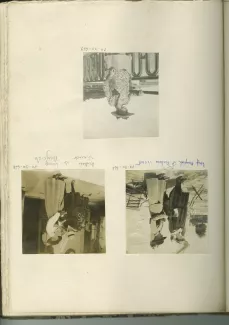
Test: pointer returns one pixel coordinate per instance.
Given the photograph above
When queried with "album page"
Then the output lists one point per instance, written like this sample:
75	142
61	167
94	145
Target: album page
115	110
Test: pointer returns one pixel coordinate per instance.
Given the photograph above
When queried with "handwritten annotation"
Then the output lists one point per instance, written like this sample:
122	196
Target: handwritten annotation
180	163
51	160
93	49
169	164
18	167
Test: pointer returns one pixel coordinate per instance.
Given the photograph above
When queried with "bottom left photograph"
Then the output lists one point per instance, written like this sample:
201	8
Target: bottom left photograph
63	212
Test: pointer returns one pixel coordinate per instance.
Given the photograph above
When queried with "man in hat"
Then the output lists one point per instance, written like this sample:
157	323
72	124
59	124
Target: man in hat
176	208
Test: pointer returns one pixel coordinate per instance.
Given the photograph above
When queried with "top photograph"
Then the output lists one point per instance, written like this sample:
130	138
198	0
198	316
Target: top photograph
121	95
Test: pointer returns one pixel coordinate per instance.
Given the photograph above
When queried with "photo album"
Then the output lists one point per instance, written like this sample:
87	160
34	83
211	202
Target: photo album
114	146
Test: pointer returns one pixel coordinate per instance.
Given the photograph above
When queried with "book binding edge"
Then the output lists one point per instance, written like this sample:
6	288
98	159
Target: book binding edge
4	158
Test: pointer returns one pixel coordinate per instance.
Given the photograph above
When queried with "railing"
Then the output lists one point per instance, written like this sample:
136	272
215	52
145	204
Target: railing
94	67
144	61
144	66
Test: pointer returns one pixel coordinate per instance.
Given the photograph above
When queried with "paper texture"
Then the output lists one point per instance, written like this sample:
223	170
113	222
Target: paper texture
46	114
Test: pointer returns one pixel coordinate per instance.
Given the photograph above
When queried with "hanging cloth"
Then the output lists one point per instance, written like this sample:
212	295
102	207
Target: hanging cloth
54	196
155	188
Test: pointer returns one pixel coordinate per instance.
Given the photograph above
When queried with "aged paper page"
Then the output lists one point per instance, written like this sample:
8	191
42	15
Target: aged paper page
155	108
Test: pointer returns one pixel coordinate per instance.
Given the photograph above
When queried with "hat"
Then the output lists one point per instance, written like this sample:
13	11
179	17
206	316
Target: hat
181	179
157	241
122	114
162	176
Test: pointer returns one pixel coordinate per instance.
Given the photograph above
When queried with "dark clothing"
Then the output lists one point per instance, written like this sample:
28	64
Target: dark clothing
176	200
77	208
176	223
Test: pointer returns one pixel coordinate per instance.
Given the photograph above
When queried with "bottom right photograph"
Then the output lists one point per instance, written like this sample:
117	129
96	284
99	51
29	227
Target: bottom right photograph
167	212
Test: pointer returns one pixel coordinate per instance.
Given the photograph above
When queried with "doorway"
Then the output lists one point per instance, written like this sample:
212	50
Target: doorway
30	235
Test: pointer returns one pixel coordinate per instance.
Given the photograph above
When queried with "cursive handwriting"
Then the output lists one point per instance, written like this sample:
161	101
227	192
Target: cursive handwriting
167	164
48	159
93	49
53	160
180	163
89	157
19	167
86	164
200	163
116	167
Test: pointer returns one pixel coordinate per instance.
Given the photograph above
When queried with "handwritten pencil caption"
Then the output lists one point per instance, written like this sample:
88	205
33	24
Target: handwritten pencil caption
167	164
93	49
51	160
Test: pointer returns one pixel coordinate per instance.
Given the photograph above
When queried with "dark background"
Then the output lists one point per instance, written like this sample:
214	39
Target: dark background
159	320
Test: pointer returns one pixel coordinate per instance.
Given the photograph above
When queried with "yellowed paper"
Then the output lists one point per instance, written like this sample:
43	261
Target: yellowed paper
46	46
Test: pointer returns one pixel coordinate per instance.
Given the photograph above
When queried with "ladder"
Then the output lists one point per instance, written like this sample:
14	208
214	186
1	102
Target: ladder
133	202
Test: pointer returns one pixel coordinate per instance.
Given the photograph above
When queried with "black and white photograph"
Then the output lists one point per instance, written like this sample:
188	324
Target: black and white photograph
167	212
63	212
121	95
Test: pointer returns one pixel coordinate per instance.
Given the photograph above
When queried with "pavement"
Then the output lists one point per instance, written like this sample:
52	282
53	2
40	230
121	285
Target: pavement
100	123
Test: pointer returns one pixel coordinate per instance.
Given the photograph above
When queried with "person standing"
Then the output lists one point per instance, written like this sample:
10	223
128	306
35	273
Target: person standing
176	207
